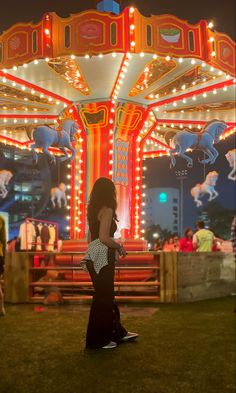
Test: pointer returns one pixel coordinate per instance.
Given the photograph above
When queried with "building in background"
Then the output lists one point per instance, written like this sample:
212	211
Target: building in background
29	189
203	216
162	208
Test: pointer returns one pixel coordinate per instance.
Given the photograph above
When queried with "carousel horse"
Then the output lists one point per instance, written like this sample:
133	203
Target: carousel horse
231	158
5	177
58	194
45	136
208	187
204	141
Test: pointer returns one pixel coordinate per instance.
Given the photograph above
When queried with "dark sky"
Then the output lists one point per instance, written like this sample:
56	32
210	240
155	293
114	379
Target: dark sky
221	12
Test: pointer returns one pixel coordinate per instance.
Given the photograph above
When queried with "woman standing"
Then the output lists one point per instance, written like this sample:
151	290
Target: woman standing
186	243
104	327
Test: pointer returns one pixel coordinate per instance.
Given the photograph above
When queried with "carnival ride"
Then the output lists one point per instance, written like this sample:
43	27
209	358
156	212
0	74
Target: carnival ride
126	80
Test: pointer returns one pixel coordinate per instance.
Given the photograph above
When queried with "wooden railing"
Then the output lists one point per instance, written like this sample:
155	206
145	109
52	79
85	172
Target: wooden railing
134	280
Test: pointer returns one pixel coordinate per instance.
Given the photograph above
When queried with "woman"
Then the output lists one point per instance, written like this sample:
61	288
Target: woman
104	327
157	245
2	256
186	243
175	243
169	245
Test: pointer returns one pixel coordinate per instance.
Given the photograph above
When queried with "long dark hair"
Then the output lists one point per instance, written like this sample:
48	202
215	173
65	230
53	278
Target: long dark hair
102	194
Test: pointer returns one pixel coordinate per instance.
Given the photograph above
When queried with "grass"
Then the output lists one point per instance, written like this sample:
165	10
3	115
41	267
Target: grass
181	349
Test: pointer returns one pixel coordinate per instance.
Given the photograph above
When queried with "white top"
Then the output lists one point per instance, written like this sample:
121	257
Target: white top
97	253
27	236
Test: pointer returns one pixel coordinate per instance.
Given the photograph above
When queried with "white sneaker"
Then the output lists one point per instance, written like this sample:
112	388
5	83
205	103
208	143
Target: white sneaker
129	336
110	345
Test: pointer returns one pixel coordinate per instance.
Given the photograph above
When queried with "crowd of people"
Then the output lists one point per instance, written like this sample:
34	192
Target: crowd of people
202	240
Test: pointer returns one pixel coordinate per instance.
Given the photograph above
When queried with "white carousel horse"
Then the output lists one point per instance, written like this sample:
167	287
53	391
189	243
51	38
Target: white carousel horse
5	177
45	136
203	141
58	194
231	157
208	187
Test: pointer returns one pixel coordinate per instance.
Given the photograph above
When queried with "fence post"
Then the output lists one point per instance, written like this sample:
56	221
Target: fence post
168	277
16	277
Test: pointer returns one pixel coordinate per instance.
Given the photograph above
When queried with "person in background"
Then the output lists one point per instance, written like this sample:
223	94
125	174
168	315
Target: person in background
2	258
217	243
186	242
233	236
157	245
168	244
104	327
171	244
203	239
175	243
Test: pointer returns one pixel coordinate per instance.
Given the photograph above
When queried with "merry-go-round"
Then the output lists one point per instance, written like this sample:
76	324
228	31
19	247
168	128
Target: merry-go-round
96	94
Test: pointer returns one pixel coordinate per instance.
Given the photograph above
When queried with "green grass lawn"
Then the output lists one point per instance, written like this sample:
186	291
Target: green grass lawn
181	349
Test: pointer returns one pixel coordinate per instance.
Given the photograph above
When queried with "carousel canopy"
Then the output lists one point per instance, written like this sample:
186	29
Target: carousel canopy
183	74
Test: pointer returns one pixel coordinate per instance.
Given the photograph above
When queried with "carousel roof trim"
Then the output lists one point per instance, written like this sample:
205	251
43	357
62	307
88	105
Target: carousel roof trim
92	32
158	63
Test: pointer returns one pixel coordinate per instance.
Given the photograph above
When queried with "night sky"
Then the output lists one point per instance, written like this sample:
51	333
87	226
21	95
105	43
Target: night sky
222	13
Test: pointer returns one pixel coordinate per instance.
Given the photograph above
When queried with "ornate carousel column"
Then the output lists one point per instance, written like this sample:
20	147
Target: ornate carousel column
109	145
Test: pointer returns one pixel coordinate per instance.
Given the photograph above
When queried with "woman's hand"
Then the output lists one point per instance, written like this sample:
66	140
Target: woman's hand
122	251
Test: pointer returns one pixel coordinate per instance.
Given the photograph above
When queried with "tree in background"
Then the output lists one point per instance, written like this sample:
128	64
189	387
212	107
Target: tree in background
153	230
220	219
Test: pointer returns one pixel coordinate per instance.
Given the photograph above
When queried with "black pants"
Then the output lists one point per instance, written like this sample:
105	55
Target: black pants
104	319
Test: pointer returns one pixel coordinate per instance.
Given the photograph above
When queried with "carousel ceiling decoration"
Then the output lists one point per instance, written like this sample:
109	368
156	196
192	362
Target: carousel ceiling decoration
9	92
219	106
153	71
68	69
126	80
195	77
